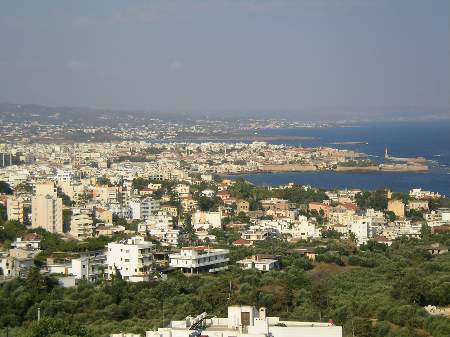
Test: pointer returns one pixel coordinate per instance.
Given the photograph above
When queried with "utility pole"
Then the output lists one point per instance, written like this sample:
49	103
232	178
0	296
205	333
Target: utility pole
39	314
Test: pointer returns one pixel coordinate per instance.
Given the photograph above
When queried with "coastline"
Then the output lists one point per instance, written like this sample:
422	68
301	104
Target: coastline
369	169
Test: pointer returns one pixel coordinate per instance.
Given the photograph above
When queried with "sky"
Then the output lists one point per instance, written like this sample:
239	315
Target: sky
227	55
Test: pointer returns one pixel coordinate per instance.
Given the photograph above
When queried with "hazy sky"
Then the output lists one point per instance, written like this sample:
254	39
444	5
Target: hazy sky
226	55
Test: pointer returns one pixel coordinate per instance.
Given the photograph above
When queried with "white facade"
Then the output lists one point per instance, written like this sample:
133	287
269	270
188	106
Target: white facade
304	230
200	259
143	208
245	321
259	263
204	220
360	227
132	258
89	266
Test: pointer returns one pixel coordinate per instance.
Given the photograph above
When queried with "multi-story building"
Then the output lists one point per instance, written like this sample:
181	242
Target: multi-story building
107	194
143	208
47	213
360	228
43	189
89	266
17	262
14	207
253	235
204	220
200	259
131	258
81	226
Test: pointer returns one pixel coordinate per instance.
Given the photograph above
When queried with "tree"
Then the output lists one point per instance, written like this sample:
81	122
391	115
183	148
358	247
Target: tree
67	216
320	297
391	216
372	199
5	188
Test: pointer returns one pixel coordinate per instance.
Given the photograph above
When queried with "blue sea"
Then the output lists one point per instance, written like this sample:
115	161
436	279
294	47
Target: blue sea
402	139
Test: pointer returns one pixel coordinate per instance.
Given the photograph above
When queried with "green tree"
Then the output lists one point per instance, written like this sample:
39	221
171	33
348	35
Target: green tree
5	188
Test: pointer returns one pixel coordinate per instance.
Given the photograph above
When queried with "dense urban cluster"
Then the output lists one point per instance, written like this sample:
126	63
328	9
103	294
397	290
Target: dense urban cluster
45	124
148	234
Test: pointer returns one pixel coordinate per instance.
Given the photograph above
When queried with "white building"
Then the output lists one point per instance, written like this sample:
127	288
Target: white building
260	263
203	220
143	208
418	193
200	259
89	266
245	321
360	228
305	230
132	258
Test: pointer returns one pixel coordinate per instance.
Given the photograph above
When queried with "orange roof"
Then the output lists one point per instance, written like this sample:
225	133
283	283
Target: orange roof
241	242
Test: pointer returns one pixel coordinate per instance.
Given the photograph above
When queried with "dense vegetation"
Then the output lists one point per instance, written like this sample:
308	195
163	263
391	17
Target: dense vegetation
374	291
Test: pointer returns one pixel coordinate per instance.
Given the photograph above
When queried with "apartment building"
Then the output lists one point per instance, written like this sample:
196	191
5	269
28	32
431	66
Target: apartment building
131	258
46	211
360	228
81	226
200	259
204	220
253	235
89	266
43	189
14	208
143	208
107	194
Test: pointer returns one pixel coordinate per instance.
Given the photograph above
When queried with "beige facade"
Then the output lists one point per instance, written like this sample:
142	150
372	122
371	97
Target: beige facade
107	194
45	189
104	215
81	226
397	207
47	213
242	206
14	207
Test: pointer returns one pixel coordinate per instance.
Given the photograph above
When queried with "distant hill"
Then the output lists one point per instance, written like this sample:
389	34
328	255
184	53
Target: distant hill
94	116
